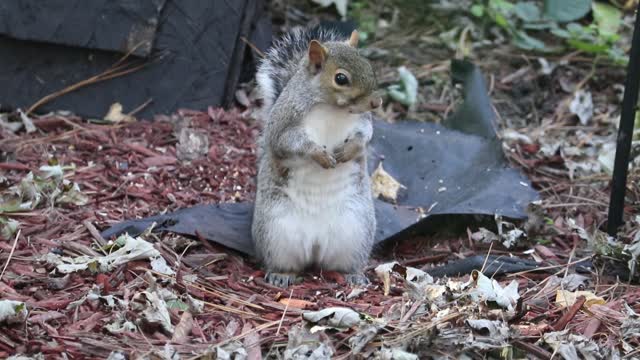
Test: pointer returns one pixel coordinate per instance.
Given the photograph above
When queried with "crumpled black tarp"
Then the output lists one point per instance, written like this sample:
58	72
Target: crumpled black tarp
115	25
195	60
452	172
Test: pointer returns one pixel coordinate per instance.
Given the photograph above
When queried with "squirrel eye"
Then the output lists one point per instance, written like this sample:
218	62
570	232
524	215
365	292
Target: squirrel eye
341	79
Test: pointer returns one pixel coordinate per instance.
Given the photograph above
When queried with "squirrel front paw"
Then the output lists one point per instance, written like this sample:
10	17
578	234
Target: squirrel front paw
352	148
322	157
357	279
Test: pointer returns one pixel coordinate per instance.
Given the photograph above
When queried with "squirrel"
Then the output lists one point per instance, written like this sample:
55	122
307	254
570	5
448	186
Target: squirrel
314	206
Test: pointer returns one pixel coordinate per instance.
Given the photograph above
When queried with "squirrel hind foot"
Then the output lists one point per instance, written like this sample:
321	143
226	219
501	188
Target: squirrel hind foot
357	279
282	280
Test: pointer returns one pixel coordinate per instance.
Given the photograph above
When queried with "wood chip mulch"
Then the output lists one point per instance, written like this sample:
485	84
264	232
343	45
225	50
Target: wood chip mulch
133	170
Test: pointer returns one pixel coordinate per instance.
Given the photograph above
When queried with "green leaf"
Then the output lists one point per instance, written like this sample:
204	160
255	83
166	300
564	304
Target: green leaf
539	25
8	227
607	18
526	42
177	304
561	33
528	11
590	47
543	241
566	10
20	307
502	6
502	21
618	56
477	10
407	91
500	11
581	32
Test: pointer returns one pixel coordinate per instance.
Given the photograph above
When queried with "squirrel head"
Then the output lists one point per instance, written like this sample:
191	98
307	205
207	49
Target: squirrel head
345	77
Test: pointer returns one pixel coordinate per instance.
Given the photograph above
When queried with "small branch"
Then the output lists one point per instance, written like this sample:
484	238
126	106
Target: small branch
95	233
13	249
569	315
251	45
116	70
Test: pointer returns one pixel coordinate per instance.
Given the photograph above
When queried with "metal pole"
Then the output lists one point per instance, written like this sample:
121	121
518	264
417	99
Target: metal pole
625	133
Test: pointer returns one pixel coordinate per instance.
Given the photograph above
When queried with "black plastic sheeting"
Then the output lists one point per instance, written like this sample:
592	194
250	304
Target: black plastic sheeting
196	58
451	172
116	25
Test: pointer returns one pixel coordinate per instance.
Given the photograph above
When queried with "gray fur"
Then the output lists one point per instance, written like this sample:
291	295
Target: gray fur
283	59
284	146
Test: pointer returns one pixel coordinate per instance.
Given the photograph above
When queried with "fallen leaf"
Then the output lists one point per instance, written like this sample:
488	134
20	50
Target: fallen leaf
384	274
192	144
115	114
8	227
303	344
341	5
493	328
582	106
130	249
490	290
566	298
12	312
568	345
296	303
183	329
335	317
384	185
396	354
153	310
27	122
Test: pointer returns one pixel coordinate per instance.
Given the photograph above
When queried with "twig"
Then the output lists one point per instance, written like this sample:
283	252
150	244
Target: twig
94	232
551	206
566	269
286	307
13	249
141	107
551	267
533	349
105	75
425	260
251	45
631	354
569	315
116	70
238	337
486	258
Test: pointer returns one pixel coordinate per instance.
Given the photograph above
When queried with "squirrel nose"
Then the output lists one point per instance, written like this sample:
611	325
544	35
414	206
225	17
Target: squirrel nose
375	103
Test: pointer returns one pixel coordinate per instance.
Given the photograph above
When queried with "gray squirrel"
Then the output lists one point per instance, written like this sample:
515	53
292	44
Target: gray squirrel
314	206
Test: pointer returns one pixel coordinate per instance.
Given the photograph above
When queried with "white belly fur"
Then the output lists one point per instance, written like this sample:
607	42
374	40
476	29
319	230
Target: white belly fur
320	224
328	125
312	188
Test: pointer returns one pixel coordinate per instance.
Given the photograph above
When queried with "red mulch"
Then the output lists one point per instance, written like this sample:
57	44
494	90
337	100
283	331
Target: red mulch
131	171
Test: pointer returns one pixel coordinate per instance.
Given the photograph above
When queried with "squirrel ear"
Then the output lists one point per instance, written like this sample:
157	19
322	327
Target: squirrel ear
353	40
317	54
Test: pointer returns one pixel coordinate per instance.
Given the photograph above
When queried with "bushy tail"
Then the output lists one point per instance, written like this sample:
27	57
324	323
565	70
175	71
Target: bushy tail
282	61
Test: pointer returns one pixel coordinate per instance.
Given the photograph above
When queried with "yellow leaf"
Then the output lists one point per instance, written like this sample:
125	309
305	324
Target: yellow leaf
566	298
384	185
115	114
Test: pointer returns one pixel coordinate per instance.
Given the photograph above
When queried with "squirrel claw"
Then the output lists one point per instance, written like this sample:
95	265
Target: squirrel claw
325	159
357	279
282	280
348	151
